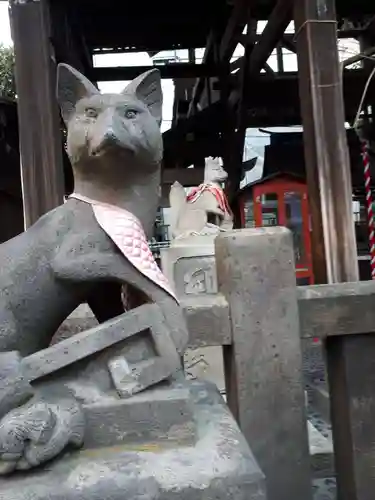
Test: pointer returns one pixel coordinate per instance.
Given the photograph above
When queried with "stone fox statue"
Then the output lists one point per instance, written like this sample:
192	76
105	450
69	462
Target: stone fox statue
205	210
67	257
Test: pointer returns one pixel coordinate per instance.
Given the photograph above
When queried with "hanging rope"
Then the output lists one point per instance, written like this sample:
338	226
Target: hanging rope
365	149
369	202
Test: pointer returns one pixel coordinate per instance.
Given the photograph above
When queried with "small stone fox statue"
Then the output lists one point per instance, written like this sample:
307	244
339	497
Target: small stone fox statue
66	258
205	210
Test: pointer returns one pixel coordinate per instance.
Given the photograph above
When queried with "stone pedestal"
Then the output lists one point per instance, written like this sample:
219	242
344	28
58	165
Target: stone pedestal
210	460
190	266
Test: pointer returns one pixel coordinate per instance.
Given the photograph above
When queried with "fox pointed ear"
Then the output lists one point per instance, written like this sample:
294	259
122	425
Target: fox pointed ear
147	88
72	86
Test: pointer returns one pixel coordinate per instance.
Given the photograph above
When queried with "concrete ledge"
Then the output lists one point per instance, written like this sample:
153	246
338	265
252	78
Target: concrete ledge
161	414
319	398
208	322
321	454
340	309
220	466
207	318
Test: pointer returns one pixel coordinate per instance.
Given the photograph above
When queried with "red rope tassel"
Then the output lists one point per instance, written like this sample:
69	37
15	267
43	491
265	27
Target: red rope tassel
369	203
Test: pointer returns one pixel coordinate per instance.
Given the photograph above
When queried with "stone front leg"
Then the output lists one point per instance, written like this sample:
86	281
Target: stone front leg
39	431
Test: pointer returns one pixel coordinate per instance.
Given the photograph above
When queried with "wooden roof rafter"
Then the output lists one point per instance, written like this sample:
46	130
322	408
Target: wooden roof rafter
208	56
233	30
175	70
274	30
221	49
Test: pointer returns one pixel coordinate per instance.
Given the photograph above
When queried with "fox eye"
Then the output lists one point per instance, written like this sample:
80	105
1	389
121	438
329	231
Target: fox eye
91	113
130	113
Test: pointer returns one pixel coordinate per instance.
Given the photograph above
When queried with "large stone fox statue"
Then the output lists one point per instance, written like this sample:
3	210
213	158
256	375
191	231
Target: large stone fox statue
86	249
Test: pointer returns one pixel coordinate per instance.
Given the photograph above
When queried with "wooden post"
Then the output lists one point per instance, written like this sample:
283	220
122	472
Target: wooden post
326	154
351	371
351	366
40	139
256	274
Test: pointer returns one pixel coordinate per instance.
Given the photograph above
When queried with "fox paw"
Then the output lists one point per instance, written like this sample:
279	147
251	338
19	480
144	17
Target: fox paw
39	431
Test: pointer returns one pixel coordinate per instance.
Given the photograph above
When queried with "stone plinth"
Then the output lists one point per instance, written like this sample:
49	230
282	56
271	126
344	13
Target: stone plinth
217	465
190	265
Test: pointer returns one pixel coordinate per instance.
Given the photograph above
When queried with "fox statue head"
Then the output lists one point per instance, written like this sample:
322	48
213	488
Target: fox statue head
123	129
214	170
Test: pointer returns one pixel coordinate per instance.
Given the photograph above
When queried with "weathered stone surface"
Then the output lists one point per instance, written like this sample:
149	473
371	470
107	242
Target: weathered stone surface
205	363
79	320
219	466
190	265
207	318
255	269
338	309
351	375
14	389
161	414
321	453
319	397
72	256
99	338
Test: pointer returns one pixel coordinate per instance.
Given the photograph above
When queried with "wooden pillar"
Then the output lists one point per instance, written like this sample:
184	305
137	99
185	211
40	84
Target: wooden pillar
351	375
326	154
351	367
236	137
280	58
39	126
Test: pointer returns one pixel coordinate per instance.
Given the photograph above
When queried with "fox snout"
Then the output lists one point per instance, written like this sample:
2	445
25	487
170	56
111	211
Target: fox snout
108	133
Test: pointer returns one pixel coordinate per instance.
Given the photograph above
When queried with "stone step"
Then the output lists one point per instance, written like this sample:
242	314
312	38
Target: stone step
321	453
207	364
324	489
319	399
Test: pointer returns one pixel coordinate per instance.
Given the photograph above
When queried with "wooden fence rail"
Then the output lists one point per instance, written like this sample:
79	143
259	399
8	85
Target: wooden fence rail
259	317
324	311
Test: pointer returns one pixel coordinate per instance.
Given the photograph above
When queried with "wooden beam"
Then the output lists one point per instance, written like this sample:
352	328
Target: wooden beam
170	71
235	173
267	68
233	30
186	176
289	44
38	116
267	89
264	108
272	33
327	160
111	47
280	58
359	57
208	56
350	363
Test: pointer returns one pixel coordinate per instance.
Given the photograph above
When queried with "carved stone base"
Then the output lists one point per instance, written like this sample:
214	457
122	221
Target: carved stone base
190	265
163	414
218	464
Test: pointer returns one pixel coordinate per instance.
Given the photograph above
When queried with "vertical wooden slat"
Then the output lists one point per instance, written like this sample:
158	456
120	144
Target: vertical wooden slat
326	154
40	140
351	371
